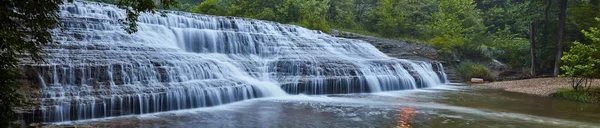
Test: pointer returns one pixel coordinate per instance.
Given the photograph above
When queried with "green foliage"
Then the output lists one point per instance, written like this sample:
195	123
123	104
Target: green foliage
25	29
583	16
469	70
390	18
510	48
460	29
417	17
446	43
582	62
210	7
133	8
456	26
266	14
591	96
593	35
307	13
313	14
341	13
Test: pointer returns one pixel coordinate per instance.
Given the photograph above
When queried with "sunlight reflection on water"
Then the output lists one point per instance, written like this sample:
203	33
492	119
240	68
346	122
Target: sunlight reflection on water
406	117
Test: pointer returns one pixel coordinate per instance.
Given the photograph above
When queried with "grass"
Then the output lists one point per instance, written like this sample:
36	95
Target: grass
590	96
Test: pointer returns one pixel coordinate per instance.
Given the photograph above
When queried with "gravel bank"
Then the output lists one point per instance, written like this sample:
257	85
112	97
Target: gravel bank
538	86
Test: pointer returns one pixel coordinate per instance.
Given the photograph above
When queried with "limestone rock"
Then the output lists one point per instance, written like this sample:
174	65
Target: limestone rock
477	80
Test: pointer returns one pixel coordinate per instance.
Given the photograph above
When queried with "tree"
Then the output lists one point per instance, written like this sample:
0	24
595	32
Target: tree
266	14
453	23
561	33
210	7
341	13
417	15
133	8
313	14
582	62
390	18
532	49
25	28
288	11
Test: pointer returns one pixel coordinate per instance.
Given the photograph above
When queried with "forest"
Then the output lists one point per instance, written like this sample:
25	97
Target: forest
545	38
460	29
540	37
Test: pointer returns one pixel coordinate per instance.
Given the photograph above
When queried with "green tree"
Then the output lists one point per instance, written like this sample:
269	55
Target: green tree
417	16
266	14
582	62
24	28
452	24
561	32
133	8
288	11
341	13
313	14
390	18
583	15
510	47
210	7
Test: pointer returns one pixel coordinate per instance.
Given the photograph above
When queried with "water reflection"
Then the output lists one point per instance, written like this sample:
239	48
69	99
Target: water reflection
446	109
405	117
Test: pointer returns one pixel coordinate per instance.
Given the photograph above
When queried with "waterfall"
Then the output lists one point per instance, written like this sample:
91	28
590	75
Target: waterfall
185	60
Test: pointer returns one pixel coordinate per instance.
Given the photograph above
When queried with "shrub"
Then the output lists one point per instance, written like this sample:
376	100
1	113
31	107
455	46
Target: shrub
582	61
469	70
510	48
592	96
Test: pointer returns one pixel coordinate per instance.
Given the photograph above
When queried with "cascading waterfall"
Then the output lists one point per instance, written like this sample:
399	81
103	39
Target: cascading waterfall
187	61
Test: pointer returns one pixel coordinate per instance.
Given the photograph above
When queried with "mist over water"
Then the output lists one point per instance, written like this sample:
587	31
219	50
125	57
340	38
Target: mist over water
185	61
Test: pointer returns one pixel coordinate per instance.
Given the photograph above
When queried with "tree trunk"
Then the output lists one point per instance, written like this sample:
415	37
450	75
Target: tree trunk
561	29
546	20
532	48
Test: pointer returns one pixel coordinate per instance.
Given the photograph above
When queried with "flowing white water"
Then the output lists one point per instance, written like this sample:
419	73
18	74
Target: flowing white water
187	61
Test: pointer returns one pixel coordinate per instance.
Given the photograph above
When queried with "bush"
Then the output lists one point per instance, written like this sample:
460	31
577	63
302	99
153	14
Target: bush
469	70
510	48
582	62
591	96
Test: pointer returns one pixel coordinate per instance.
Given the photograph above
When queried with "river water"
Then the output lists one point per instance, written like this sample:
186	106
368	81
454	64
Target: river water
442	106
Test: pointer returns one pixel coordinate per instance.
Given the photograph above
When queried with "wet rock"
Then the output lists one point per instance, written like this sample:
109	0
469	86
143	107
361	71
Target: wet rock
477	80
396	48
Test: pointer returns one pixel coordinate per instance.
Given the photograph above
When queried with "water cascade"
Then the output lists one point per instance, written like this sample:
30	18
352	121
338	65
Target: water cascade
185	60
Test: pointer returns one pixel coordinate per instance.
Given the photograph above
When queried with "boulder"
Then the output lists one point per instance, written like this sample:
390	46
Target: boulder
477	80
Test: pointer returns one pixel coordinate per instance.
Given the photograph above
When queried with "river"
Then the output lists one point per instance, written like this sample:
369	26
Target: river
441	106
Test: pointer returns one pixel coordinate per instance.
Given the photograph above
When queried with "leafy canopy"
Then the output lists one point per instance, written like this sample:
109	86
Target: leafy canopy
24	28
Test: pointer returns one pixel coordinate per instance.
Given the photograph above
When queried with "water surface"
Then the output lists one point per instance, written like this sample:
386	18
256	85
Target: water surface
445	106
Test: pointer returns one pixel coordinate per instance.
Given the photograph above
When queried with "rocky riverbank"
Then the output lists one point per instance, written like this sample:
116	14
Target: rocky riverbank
537	86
